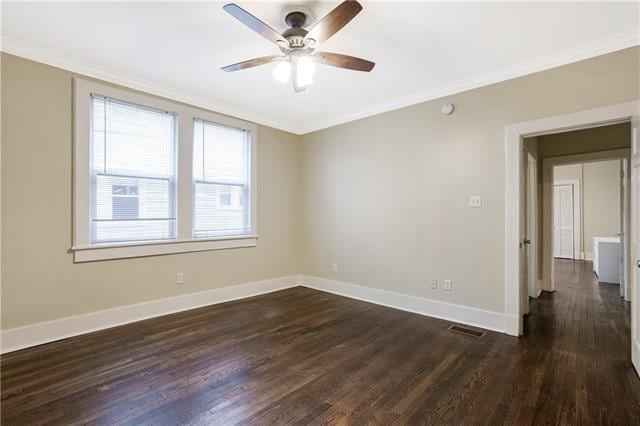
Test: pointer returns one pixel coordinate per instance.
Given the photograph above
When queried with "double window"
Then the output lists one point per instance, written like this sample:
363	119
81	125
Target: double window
156	177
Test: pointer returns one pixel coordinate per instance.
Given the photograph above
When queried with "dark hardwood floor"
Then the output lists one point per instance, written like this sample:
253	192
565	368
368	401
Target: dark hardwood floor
301	356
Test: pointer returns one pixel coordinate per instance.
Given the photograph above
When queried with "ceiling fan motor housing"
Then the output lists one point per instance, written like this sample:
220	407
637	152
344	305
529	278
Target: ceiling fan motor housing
295	33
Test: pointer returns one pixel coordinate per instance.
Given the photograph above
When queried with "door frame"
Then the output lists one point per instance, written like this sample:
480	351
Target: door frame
578	253
634	229
548	164
514	135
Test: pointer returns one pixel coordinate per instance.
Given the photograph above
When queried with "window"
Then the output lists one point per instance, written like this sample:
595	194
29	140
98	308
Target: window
220	176
133	172
153	176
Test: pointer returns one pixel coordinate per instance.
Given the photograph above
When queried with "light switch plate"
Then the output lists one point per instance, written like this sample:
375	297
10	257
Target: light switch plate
475	201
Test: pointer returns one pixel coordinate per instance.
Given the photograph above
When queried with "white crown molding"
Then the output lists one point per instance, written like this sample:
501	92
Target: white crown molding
78	66
489	320
585	51
14	339
580	53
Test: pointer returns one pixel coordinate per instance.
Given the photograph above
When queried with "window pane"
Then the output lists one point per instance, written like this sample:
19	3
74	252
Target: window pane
219	153
133	193
218	210
221	177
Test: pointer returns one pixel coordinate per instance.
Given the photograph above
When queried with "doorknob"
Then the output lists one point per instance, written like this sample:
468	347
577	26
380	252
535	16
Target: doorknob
527	242
638	263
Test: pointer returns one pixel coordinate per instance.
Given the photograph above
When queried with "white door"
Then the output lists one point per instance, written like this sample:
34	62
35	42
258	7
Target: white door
532	229
635	243
624	229
563	221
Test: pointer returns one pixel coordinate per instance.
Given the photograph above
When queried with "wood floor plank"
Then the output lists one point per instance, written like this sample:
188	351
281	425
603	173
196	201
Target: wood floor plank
300	356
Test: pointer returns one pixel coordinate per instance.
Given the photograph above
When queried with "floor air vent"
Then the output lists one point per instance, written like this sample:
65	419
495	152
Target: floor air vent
466	331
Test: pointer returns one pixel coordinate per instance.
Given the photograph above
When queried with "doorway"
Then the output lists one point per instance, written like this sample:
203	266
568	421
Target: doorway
515	135
584	214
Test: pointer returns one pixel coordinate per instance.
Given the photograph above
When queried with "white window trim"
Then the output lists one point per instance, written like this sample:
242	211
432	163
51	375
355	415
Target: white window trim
82	248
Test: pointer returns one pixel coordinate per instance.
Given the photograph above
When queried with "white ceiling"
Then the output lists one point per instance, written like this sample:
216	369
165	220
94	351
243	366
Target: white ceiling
422	50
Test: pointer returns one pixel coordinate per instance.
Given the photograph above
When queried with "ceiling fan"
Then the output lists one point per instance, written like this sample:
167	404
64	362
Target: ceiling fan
298	45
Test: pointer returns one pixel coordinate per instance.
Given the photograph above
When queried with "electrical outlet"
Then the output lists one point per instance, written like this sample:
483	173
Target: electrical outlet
447	285
179	278
434	283
334	267
475	201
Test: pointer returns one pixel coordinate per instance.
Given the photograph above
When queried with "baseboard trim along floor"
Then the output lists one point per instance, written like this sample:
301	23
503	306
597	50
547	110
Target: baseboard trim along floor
49	331
45	332
433	308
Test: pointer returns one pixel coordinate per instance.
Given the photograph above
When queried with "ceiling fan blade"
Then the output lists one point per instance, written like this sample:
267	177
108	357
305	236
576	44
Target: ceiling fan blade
334	21
254	23
251	63
343	61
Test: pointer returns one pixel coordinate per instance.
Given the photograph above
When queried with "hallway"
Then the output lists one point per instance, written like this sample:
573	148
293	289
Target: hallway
577	353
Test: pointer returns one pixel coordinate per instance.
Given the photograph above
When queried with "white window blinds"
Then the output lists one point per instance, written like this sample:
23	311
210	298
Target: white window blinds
220	180
132	172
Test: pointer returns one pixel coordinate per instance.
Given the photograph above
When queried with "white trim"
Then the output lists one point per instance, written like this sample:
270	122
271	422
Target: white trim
579	53
418	305
36	334
185	115
514	134
577	213
156	248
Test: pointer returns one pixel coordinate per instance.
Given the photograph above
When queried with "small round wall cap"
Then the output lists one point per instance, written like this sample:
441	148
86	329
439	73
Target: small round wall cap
447	109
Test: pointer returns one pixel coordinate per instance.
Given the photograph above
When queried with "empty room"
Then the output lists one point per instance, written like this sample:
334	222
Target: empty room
320	213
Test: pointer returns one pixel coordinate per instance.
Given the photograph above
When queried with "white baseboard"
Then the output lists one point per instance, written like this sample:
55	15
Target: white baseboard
50	331
539	288
36	334
447	311
511	325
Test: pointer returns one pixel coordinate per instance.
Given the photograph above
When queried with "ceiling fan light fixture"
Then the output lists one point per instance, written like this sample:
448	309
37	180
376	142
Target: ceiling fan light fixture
297	44
305	69
282	71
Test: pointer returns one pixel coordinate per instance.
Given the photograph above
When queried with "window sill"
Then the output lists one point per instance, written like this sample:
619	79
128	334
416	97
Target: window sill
155	248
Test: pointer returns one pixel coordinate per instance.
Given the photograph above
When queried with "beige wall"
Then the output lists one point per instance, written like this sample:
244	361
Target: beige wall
386	197
600	198
569	171
596	139
39	279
